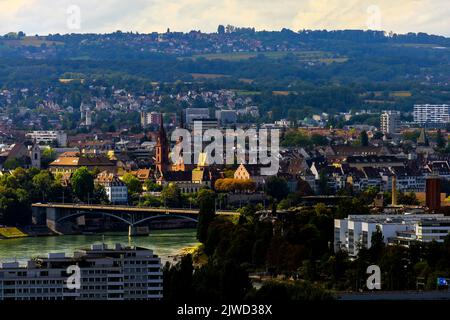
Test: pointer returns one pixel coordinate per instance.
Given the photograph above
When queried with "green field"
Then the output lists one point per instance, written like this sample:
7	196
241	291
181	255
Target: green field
303	56
30	42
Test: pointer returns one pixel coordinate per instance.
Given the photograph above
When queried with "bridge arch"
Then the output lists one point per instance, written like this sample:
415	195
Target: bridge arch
165	216
99	213
131	223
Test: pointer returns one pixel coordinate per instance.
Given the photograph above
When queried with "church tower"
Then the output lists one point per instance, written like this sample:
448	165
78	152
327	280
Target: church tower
162	150
35	156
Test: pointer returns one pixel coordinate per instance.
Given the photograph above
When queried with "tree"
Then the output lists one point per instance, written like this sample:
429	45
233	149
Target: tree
171	195
43	183
220	29
83	183
132	182
206	200
48	155
440	141
150	185
277	188
364	139
377	245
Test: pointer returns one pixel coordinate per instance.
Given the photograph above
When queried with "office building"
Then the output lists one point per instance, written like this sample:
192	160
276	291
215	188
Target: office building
356	231
431	115
118	273
192	114
390	122
226	117
150	118
48	137
205	124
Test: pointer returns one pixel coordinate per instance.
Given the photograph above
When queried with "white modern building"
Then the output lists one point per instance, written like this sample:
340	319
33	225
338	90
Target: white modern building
117	273
226	116
390	122
192	114
356	231
431	115
115	189
48	137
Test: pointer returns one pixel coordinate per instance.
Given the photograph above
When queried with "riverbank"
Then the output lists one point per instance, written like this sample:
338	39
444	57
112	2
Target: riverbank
11	233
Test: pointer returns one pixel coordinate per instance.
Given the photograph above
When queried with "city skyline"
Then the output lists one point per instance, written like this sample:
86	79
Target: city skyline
35	17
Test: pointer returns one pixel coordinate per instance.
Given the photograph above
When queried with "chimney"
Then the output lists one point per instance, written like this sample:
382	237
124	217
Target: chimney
394	191
433	193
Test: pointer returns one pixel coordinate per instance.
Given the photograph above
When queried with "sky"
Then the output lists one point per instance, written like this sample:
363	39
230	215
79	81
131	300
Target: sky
102	16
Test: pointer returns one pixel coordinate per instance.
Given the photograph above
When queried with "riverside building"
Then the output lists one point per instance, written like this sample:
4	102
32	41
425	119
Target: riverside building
106	273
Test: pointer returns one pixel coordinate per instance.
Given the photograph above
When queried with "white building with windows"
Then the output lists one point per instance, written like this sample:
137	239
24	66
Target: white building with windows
117	273
192	114
390	122
434	115
48	137
115	189
356	231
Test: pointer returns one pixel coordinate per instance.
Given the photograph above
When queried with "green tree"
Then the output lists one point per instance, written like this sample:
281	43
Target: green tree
171	196
83	183
133	184
277	188
206	201
377	245
43	183
440	141
364	139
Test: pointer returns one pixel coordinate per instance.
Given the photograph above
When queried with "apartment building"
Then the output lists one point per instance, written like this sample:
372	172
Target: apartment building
356	231
432	115
106	273
390	122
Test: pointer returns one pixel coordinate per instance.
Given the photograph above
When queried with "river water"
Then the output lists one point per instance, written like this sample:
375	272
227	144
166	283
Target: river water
164	243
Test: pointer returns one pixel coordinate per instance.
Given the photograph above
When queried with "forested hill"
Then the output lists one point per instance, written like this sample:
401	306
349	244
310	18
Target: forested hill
349	64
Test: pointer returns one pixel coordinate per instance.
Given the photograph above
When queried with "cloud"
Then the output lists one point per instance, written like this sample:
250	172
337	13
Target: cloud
50	16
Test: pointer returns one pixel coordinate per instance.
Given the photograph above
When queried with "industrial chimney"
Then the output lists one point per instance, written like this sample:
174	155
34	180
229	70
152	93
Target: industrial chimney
394	191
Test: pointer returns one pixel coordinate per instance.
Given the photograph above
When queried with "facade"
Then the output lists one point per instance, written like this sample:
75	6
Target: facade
390	122
432	115
48	137
192	114
115	189
35	156
68	163
150	118
356	231
226	116
119	273
206	124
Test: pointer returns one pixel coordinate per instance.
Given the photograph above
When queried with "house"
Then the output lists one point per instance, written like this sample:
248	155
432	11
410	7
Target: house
250	171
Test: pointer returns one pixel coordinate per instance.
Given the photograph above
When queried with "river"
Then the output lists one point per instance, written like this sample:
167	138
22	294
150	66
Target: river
164	243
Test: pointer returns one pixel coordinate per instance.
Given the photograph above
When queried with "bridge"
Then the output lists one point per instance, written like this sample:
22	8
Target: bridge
54	214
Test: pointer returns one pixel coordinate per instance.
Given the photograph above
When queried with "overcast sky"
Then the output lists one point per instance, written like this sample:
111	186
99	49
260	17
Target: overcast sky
58	16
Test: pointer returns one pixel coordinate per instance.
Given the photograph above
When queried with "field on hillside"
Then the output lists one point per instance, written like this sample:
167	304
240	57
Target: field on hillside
303	56
31	41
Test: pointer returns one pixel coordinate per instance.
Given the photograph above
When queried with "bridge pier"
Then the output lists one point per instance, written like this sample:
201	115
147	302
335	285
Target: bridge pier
138	231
